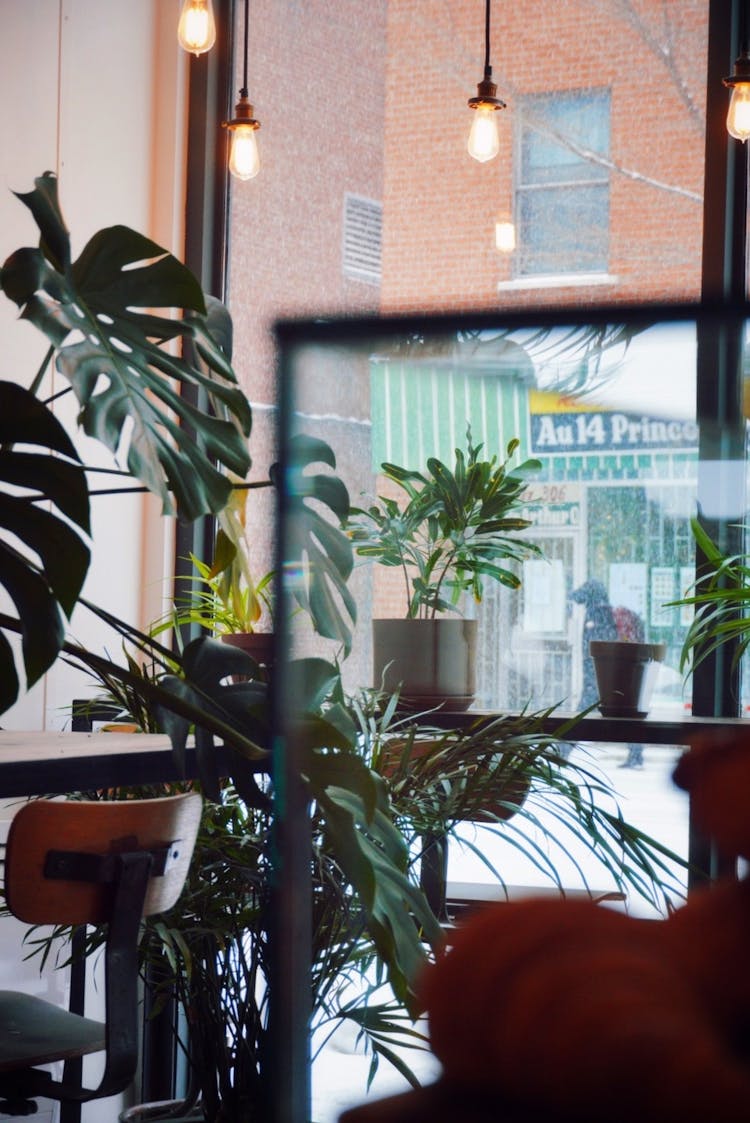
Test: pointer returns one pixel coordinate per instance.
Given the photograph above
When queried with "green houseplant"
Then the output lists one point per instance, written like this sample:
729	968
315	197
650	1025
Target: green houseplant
720	598
224	602
214	946
452	529
223	597
369	906
110	349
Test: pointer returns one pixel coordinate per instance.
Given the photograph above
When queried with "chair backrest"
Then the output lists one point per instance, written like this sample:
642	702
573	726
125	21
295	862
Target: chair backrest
49	839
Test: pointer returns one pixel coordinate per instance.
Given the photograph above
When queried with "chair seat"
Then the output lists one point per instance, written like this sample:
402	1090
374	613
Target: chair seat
35	1032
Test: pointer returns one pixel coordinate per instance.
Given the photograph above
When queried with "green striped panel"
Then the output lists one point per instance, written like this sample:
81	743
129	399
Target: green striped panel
422	410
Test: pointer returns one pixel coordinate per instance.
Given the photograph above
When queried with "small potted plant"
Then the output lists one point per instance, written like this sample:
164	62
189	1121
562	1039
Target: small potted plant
626	673
224	597
453	529
619	667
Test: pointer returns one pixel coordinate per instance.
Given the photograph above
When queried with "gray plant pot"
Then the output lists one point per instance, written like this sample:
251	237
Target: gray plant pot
432	662
625	675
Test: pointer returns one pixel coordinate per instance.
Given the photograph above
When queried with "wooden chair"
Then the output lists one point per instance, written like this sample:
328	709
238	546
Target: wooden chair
75	862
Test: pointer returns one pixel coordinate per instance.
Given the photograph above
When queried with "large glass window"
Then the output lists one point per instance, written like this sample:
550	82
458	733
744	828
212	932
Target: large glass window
605	186
609	509
562	193
602	175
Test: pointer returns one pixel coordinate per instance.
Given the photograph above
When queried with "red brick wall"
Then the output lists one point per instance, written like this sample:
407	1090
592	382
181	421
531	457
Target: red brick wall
315	78
371	98
440	205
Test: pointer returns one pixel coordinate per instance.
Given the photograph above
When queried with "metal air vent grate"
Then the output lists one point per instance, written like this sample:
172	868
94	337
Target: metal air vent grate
363	223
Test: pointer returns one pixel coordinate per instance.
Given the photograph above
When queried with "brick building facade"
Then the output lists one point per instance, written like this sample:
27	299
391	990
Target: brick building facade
647	58
367	103
600	168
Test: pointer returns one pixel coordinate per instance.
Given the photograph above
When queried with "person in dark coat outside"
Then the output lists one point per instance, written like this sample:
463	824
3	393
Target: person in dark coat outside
598	624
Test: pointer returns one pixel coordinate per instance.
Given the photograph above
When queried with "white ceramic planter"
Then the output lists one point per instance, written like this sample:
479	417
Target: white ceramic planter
432	662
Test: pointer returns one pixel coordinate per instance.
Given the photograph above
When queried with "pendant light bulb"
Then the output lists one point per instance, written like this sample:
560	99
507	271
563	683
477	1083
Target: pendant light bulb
196	31
244	161
484	138
738	117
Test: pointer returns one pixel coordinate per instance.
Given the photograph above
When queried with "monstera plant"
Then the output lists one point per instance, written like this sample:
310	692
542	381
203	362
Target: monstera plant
129	330
108	346
108	343
116	319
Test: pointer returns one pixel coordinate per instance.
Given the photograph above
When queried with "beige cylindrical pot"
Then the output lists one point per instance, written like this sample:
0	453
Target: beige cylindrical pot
432	662
625	675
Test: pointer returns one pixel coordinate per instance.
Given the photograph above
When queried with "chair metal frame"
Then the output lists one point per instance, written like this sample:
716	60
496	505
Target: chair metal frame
125	860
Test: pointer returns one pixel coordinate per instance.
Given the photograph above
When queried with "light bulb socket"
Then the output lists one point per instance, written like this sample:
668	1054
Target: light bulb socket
486	95
243	115
741	73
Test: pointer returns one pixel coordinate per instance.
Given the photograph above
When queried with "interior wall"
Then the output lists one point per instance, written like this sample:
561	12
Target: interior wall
93	90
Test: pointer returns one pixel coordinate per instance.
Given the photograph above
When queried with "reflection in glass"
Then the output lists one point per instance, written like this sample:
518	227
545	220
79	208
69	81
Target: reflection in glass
608	409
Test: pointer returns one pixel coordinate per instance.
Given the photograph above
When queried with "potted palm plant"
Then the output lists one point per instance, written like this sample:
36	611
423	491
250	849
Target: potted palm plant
214	947
453	529
720	599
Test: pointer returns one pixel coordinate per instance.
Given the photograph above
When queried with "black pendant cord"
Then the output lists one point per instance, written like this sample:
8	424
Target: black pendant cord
243	91
487	67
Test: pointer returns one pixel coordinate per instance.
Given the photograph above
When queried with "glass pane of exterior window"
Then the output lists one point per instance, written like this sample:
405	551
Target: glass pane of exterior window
558	133
608	409
562	196
563	229
439	207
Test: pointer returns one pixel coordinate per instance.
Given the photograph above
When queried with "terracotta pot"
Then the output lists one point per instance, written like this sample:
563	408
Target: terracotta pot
432	662
625	675
258	645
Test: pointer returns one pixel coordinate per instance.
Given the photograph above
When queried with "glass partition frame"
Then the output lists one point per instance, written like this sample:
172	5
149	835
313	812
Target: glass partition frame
719	335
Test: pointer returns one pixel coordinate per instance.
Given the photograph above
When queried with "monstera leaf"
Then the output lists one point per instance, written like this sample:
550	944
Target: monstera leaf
95	312
43	565
373	854
318	552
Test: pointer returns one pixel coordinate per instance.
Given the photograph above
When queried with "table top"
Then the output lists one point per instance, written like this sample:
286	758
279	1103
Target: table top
49	763
656	729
